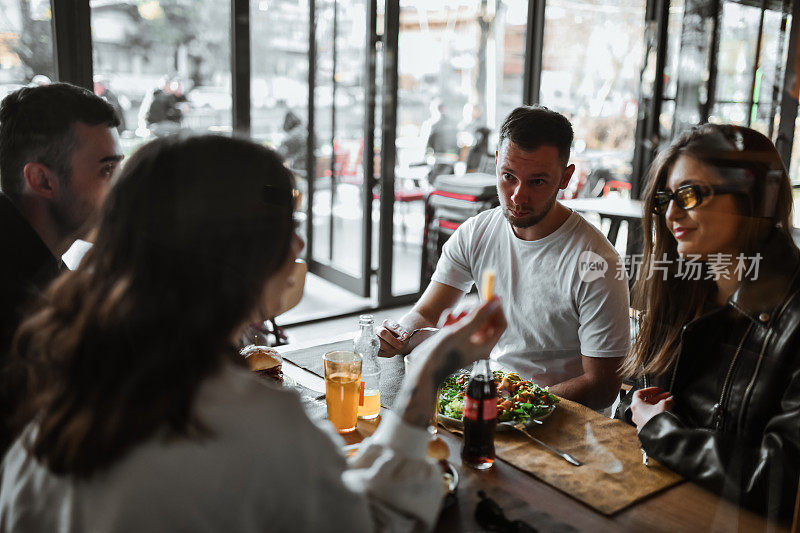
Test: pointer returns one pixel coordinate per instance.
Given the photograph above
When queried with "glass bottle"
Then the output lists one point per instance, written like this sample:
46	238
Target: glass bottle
480	418
367	344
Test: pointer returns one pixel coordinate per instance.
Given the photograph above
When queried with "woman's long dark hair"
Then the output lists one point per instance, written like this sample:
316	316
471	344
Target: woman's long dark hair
190	233
738	155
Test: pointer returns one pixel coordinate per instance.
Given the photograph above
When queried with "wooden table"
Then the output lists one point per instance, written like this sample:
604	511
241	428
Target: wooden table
682	508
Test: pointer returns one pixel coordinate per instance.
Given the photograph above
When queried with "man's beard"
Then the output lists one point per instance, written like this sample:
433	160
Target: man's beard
532	219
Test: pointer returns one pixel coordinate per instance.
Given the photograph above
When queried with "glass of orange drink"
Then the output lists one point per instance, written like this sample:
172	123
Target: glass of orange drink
342	388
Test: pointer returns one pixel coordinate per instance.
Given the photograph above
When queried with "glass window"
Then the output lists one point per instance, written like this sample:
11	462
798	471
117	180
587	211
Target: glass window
769	82
279	75
339	117
26	49
593	51
743	96
460	68
164	65
671	68
735	60
279	80
673	48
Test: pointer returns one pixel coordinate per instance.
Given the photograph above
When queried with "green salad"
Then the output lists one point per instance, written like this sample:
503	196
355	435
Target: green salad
517	399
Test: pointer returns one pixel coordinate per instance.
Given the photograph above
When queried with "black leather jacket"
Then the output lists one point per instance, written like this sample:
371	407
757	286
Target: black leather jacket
735	427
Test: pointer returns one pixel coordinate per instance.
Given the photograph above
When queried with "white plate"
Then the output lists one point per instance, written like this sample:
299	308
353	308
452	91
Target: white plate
501	426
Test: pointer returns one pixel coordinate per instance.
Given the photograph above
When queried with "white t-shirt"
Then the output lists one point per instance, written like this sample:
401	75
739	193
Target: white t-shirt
266	467
558	301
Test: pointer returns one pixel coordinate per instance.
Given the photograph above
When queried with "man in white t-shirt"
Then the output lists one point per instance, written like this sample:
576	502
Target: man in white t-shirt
557	276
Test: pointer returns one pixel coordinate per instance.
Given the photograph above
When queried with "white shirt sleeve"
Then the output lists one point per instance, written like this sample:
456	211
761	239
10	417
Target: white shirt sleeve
603	304
390	485
405	488
454	267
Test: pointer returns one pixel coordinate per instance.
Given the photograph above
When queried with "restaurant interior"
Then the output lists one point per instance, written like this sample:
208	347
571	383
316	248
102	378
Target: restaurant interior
357	89
629	75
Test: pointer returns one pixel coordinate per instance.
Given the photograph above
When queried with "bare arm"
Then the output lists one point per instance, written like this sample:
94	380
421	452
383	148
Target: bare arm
455	347
597	386
436	298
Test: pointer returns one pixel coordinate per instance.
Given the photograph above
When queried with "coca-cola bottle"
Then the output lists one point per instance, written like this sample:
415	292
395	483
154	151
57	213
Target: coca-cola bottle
480	418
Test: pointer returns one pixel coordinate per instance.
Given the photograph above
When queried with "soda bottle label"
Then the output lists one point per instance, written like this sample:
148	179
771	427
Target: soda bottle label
471	408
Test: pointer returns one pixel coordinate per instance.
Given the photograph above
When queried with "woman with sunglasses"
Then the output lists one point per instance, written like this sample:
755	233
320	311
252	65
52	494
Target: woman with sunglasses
716	359
140	413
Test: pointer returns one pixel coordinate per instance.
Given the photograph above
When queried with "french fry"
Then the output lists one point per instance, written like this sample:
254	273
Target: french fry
487	285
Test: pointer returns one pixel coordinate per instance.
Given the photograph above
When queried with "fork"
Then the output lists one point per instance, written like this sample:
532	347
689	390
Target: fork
414	332
564	455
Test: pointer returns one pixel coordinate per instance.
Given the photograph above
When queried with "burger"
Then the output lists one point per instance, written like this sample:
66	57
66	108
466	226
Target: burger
264	361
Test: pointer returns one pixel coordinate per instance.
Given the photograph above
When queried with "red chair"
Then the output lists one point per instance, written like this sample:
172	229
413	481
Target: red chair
404	197
614	185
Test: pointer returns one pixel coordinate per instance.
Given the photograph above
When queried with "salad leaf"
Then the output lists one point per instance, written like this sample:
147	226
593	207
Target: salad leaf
518	400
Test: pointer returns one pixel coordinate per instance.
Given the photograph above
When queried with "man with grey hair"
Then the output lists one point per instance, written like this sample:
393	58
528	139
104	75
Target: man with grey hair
58	150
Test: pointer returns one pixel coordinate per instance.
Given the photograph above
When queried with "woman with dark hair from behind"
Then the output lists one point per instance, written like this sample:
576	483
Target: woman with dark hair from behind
140	415
717	355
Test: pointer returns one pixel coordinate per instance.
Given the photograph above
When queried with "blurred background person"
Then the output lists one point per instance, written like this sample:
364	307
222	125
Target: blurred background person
441	146
472	120
165	110
441	130
479	151
295	140
102	90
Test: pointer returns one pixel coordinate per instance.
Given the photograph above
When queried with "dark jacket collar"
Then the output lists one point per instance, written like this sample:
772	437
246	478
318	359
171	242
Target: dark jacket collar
760	298
24	253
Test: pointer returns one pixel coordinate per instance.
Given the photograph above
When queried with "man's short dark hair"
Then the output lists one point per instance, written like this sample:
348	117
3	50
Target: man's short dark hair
37	125
530	127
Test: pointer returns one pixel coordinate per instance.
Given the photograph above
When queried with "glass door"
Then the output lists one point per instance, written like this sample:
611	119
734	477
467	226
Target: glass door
338	182
453	70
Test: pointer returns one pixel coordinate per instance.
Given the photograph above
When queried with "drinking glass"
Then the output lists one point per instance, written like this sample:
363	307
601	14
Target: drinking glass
342	388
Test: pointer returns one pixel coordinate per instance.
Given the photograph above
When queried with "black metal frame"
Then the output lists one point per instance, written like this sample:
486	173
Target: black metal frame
311	158
391	36
534	47
368	155
332	168
711	91
72	42
789	101
359	285
240	65
756	63
779	69
648	127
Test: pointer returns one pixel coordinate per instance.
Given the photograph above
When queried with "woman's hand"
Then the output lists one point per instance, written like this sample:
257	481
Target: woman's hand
469	338
648	403
454	347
